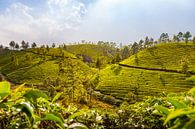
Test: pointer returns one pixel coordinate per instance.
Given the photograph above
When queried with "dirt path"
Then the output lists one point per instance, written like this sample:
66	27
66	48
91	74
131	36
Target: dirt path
156	69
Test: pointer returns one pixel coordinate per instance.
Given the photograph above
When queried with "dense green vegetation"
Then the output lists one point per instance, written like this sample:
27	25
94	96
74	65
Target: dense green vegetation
134	84
90	53
145	85
31	108
33	66
165	56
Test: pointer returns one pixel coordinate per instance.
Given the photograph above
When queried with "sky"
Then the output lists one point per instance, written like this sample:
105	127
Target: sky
120	21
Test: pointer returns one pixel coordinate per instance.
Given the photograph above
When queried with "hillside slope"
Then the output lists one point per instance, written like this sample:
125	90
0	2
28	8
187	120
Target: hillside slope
134	83
165	56
33	66
90	52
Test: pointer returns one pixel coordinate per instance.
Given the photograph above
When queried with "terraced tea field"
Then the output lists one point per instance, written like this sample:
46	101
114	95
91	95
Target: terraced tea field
165	56
130	83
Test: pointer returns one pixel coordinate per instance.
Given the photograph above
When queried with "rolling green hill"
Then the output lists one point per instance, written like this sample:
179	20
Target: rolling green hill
135	83
90	52
165	56
33	66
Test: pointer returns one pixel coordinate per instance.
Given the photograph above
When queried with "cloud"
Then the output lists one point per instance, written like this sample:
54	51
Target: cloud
19	22
129	20
111	20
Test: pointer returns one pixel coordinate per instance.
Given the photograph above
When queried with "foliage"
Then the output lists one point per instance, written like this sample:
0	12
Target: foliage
30	108
166	56
180	112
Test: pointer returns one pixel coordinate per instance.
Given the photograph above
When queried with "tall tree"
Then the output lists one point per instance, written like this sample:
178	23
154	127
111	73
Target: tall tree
175	38
164	37
180	36
141	44
146	45
12	44
118	58
1	46
53	45
186	36
125	52
151	42
134	48
98	63
23	44
17	46
47	48
34	45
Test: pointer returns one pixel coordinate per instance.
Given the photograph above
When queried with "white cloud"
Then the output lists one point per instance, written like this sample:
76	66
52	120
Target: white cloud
56	24
111	20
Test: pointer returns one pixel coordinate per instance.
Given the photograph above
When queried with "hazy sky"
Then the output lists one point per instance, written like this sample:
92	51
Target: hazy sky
122	21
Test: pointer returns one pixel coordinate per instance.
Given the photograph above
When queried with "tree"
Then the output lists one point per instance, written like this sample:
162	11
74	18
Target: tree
1	46
136	60
98	63
125	52
151	42
185	65
164	37
146	42
186	36
34	45
24	45
12	44
141	44
53	45
180	36
175	38
135	48
64	47
118	58
17	46
47	48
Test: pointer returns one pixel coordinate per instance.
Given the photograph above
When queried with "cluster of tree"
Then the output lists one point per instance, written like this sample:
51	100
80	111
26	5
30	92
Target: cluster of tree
123	52
126	51
24	45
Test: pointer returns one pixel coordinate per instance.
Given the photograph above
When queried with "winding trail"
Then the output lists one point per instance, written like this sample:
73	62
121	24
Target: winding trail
156	69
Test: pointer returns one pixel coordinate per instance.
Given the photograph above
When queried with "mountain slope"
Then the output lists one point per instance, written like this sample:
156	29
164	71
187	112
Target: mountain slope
135	83
33	66
165	56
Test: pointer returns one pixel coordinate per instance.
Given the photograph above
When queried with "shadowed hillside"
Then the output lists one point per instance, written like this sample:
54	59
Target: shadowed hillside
37	65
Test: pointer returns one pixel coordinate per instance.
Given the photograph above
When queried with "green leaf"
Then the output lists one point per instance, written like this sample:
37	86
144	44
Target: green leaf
57	97
33	94
177	104
162	109
74	115
55	118
4	89
178	113
27	108
77	126
18	88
